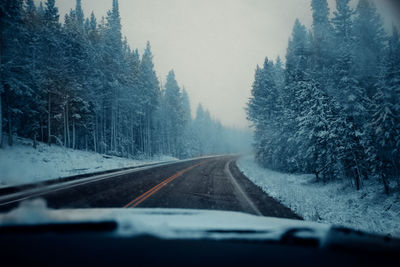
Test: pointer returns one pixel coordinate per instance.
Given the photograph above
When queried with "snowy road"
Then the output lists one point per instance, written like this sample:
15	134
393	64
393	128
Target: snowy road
209	183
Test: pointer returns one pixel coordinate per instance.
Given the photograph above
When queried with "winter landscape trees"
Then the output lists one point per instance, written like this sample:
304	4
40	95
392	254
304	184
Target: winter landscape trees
336	114
78	83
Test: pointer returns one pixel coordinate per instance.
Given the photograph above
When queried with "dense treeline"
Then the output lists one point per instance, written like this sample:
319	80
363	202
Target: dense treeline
333	109
80	85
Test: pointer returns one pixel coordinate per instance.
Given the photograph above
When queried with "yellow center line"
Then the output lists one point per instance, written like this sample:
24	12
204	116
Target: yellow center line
154	189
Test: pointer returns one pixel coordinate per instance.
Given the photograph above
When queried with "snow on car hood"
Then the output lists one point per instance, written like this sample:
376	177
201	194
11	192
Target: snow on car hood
169	223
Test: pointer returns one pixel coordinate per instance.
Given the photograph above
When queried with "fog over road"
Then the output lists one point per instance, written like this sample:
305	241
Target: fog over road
209	183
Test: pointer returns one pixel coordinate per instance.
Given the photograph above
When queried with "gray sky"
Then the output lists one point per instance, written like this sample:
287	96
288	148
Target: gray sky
213	45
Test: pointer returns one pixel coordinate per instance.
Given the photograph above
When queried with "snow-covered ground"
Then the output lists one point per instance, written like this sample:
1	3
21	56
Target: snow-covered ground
335	203
22	163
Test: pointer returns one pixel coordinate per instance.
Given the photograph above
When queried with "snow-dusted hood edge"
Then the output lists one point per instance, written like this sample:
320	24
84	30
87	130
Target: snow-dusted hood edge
169	223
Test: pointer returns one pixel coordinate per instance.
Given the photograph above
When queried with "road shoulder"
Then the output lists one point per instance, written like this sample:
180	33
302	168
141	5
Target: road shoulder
267	205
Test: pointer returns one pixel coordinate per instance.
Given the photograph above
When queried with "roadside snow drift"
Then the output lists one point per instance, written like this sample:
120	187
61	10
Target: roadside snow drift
22	163
335	203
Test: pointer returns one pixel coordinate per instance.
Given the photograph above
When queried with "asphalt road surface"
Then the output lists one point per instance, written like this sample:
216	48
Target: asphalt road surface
209	183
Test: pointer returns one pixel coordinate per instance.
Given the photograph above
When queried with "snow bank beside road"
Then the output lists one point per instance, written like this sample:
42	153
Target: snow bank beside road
22	163
335	203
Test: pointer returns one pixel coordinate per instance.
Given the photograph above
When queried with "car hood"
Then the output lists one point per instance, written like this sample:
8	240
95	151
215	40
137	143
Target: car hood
35	217
167	223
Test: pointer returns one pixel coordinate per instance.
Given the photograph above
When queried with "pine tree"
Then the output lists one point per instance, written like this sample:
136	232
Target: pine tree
33	105
50	56
343	22
322	41
386	119
150	94
12	62
112	69
370	46
80	17
344	28
316	130
200	126
265	112
174	111
297	48
187	133
297	71
350	96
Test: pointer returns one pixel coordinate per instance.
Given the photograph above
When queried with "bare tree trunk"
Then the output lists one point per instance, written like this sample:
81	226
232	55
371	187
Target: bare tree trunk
113	123
86	142
34	141
67	126
73	133
10	134
396	171
385	183
357	174
316	176
49	119
143	130
94	142
115	128
41	132
1	94
117	116
1	116
140	135
104	135
10	137
149	137
112	129
95	132
101	137
132	135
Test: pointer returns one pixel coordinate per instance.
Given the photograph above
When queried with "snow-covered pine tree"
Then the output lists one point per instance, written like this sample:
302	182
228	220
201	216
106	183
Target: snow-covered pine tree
297	70
344	39
350	97
186	139
322	42
386	119
75	49
174	110
12	62
255	113
279	73
150	91
132	105
316	130
113	59
2	25
80	17
370	45
50	57
264	111
33	106
298	46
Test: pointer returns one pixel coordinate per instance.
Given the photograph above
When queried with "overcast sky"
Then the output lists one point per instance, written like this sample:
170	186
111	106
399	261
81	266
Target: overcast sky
213	45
